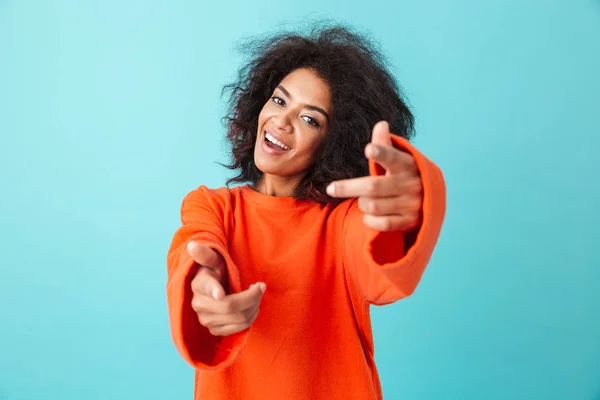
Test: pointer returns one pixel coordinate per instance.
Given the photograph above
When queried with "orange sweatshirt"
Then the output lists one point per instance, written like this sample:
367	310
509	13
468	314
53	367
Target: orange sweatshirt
323	268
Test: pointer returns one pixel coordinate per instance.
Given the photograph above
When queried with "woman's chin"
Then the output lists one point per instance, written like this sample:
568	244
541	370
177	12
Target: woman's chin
275	167
267	165
276	171
269	170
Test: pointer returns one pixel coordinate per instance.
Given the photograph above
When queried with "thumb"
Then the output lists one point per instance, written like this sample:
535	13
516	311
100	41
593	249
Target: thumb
207	257
381	134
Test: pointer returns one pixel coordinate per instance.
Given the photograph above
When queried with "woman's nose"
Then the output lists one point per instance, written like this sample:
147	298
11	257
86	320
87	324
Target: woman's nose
283	122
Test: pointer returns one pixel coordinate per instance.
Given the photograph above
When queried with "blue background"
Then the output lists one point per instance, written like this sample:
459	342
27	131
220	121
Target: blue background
110	113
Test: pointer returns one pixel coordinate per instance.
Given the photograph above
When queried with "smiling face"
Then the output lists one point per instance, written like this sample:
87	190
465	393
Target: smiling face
291	127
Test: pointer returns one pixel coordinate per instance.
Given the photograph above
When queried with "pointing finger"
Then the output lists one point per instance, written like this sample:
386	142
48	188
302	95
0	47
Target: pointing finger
230	304
241	301
369	186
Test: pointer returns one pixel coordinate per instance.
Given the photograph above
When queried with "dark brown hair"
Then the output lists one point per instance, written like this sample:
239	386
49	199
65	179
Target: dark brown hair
363	92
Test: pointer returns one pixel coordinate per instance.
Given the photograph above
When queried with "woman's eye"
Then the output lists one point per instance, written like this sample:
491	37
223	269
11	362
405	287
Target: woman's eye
311	121
278	101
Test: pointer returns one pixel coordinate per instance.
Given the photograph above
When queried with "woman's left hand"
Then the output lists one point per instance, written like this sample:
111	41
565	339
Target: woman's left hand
391	201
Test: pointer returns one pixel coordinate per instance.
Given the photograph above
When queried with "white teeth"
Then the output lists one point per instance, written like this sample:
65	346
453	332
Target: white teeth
270	138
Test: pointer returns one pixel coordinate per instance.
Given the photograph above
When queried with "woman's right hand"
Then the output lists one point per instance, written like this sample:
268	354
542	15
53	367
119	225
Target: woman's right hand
222	314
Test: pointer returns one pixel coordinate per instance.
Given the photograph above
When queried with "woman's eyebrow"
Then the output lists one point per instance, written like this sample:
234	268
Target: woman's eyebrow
310	107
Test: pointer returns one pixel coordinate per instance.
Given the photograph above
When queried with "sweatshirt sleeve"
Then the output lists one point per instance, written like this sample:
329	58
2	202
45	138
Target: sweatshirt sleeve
202	221
387	266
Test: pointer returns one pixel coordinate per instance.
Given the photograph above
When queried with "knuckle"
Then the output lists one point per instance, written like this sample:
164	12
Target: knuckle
196	282
414	165
378	223
373	207
371	187
386	224
407	222
196	303
361	204
228	307
387	155
245	325
248	316
200	279
413	220
417	185
416	204
408	203
400	181
203	319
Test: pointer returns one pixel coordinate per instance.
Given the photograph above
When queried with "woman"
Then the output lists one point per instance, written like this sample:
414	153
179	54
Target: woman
270	282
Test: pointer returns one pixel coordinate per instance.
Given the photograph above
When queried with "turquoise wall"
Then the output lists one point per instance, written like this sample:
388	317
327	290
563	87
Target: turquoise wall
110	113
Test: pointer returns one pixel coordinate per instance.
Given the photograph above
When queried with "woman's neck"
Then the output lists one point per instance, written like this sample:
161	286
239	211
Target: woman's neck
278	186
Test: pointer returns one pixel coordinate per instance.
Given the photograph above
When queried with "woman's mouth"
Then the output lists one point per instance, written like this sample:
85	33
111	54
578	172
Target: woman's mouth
272	143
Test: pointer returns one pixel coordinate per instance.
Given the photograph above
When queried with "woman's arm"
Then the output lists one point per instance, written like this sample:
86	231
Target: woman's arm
202	222
387	248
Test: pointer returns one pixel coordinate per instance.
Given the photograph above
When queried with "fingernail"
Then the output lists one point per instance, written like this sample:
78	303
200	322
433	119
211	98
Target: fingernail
263	287
215	293
330	189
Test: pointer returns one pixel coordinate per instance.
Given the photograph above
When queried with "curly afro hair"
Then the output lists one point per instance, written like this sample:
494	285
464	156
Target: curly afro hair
363	92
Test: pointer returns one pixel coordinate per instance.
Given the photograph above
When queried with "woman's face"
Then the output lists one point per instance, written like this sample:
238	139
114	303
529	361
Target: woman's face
292	125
